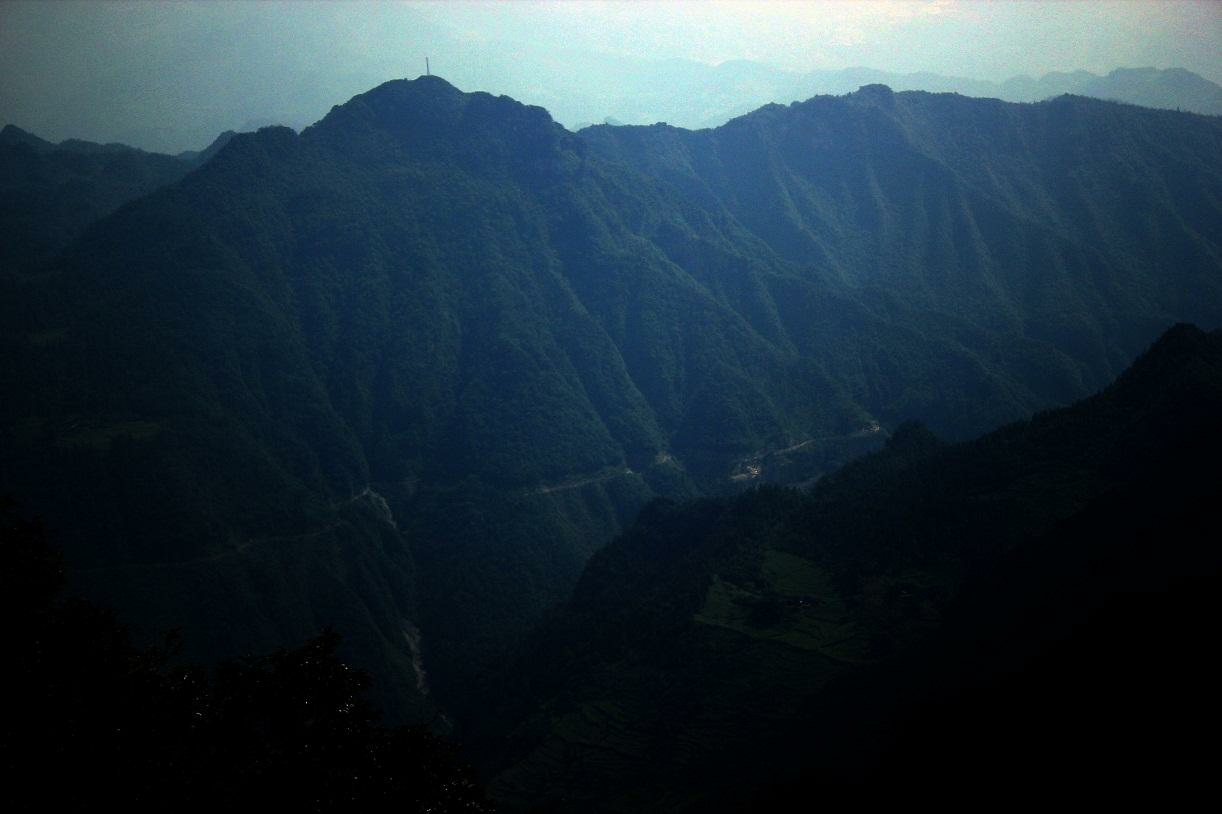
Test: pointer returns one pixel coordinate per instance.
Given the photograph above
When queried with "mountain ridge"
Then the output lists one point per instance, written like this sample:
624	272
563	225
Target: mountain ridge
1172	88
447	302
724	653
50	193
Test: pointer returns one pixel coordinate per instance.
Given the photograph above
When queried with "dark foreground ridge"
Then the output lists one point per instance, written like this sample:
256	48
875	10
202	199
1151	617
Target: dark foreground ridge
990	609
103	723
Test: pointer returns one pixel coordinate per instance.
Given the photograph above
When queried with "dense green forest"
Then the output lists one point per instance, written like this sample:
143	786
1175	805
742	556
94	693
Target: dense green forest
401	374
1026	609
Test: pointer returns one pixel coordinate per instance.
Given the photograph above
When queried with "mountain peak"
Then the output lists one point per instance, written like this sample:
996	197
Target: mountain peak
420	87
1178	367
876	93
427	102
12	134
1183	341
430	116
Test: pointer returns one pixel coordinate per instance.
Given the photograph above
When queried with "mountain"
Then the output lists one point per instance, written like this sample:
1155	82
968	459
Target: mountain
198	157
1172	88
402	373
735	88
50	192
12	135
951	216
175	81
982	608
693	95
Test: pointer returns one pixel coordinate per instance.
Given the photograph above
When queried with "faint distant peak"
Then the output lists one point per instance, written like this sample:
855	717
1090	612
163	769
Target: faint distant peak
12	134
1183	341
76	145
1183	357
204	155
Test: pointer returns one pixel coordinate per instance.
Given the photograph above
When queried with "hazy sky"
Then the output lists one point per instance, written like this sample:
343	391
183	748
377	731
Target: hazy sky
984	40
171	75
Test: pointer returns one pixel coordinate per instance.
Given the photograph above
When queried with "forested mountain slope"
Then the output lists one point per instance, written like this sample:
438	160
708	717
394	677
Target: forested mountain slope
50	192
402	373
962	221
991	609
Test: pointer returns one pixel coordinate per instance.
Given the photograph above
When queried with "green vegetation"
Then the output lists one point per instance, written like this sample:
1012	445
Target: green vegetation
49	193
748	649
334	378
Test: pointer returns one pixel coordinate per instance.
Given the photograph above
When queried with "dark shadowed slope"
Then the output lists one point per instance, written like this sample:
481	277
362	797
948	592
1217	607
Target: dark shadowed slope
140	729
1019	608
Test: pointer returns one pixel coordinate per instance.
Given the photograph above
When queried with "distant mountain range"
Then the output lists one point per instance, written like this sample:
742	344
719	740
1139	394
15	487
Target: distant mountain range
403	372
180	77
733	88
50	192
694	95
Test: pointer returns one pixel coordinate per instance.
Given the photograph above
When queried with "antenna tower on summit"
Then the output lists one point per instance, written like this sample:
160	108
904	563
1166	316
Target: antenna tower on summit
427	72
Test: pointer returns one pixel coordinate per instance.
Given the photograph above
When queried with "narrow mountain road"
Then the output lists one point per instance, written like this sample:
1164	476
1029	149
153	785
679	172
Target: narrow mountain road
580	481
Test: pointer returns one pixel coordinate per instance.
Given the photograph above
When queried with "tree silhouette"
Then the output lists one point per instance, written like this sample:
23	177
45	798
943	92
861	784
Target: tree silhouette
91	719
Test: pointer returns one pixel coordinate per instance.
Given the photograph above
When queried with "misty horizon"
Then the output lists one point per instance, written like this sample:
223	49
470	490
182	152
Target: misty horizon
170	77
